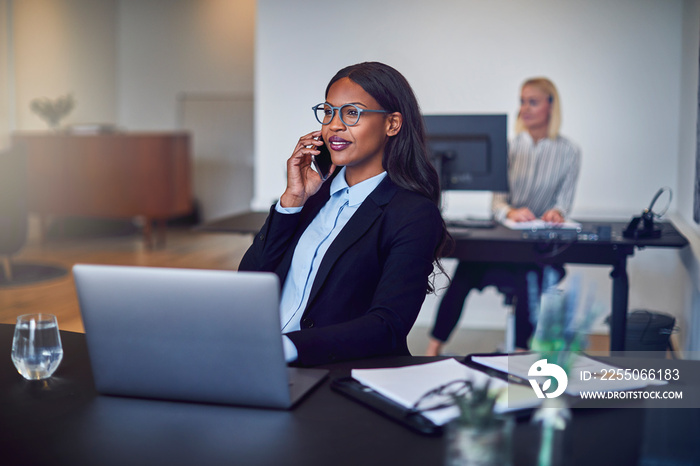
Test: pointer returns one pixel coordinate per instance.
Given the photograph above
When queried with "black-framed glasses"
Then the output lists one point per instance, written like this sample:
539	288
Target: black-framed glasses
349	113
441	397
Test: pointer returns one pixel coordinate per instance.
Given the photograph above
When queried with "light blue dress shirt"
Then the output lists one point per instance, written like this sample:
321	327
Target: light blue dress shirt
312	246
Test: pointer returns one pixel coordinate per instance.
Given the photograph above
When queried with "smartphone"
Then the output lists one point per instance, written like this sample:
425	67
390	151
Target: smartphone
322	162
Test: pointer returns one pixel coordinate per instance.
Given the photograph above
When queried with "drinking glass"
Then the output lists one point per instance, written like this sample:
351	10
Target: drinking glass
36	346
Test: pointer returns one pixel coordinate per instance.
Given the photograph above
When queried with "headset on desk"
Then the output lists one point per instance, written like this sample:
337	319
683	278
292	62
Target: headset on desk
643	226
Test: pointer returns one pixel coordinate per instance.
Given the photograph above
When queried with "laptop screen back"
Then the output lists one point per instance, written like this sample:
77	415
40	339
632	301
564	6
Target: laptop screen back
196	335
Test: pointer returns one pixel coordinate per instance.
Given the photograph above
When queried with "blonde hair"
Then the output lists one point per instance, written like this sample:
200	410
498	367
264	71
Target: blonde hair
548	87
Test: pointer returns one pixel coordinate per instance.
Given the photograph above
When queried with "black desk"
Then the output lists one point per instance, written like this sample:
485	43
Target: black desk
64	421
501	244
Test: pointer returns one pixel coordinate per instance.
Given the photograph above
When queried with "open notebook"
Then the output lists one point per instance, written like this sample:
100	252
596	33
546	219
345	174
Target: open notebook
406	385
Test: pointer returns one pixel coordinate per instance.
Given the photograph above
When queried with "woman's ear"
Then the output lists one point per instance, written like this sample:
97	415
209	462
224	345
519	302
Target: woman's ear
394	120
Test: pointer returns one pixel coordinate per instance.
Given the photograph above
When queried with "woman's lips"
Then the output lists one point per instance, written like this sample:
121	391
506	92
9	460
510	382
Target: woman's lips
338	144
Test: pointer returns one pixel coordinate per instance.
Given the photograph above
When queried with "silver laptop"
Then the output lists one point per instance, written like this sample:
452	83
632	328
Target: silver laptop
194	335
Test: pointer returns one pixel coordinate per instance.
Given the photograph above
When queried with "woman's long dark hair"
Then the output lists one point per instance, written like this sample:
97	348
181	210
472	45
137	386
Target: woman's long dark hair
406	158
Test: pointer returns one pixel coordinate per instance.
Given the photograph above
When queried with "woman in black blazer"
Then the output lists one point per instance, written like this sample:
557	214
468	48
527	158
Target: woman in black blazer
368	277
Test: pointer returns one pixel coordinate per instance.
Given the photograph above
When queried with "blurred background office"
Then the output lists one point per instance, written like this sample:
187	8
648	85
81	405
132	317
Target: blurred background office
627	72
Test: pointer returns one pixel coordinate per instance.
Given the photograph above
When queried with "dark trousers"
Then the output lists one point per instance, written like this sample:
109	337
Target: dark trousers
509	278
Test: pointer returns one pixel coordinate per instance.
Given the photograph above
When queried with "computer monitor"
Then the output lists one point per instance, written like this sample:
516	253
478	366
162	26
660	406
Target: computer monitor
470	152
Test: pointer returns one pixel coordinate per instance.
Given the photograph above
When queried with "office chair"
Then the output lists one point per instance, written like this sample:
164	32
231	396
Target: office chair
14	223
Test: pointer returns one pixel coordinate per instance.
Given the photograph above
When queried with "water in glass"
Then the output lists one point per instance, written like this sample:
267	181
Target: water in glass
36	346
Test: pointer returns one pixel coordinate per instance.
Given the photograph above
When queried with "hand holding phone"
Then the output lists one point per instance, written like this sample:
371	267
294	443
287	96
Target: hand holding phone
304	180
322	162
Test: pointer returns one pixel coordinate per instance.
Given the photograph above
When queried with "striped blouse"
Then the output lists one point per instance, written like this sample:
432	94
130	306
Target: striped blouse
541	176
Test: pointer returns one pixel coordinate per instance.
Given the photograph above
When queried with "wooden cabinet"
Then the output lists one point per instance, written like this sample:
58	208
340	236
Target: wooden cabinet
118	175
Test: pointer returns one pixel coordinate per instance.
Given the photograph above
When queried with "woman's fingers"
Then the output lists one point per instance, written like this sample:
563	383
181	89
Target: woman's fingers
302	180
523	214
553	216
309	141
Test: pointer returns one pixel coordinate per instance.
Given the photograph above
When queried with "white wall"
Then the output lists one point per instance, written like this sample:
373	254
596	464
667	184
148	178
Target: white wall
222	145
127	62
170	47
175	52
688	135
617	64
61	47
6	74
688	114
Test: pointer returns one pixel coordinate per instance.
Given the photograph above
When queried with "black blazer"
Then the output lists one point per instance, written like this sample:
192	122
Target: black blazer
372	280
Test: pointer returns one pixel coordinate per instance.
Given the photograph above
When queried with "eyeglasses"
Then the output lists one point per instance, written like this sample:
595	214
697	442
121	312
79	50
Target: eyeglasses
441	397
349	113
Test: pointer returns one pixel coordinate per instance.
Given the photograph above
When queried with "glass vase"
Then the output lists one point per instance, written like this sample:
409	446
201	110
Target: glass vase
468	445
554	417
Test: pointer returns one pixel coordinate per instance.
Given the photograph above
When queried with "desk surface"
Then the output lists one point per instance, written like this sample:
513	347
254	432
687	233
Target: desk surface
251	222
64	421
501	244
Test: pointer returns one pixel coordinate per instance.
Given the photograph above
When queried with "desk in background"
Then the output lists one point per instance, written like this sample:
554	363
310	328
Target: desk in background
64	421
500	244
118	175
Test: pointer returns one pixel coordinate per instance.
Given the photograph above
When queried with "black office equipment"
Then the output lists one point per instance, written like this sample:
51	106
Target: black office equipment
643	226
470	152
603	232
471	223
649	331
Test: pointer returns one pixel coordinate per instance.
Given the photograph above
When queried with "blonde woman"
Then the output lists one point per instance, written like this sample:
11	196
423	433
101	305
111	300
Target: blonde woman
543	168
